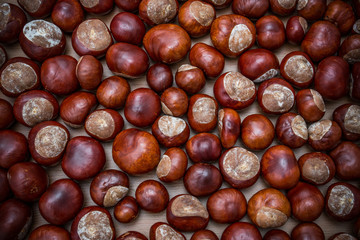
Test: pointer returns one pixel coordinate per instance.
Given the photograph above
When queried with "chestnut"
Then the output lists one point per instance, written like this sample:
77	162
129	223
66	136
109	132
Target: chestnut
232	34
67	14
58	75
324	135
276	234
296	28
91	37
342	14
61	202
38	8
35	106
355	82
75	108
257	132
356	27
207	58
126	210
172	165
5	190
6	111
159	77
349	48
186	213
142	107
203	235
154	12
128	5
109	187
283	8
270	32
234	90
100	7
132	235
135	151
309	231
3	56
239	167
12	22
291	130
203	147
160	230
112	92
104	124
13	148
49	231
310	105
202	112
219	4
189	78
127	60
167	43
311	10
241	230
339	236
19	75
89	72
227	205
93	223
259	64
252	9
348	118
174	102
152	196
229	127
41	40
269	208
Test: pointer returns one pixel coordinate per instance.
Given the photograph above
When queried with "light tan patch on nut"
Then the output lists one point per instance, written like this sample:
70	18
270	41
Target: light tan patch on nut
37	110
221	115
203	13
278	98
299	69
165	232
188	206
163	167
43	33
161	11
356	26
89	3
298	125
352	56
240	38
94	35
287	4
114	195
31	5
165	109
344	236
204	110
94	225
352	119
100	124
4	15
316	170
18	77
341	200
269	74
301	4
318	100
270	218
239	87
171	126
303	24
186	67
318	129
50	141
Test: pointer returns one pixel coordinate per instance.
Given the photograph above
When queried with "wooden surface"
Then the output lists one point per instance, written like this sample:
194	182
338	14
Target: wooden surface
145	219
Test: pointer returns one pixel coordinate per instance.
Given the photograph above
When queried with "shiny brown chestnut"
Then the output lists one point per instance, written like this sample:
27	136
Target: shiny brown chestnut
128	5
150	14
309	231
5	190
3	56
89	72
126	210
202	112
13	148
283	8
342	14
204	234
310	105
311	10
67	14
276	234
219	4
241	230
174	102
61	202
349	49
189	78
12	22
203	147
38	8
112	92
161	230
172	165
291	130
251	9
296	28
6	111
159	77
130	235
109	187
49	231
100	7
342	235
270	32
348	118
229	125
152	196
355	82
324	135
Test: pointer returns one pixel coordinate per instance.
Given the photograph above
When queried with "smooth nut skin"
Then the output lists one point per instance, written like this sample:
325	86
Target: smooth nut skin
207	58
174	102
10	30
347	116
346	157
167	43
342	235
67	14
202	112
49	231
161	230
42	11
204	234
5	190
102	7
135	151
257	132
159	77
229	125
112	92
61	202
13	148
219	4
342	14
227	205
349	48
3	56
288	134
241	230
178	164
128	5
108	187
276	234
151	15
296	28
152	196
126	210
321	41
203	147
307	202
6	110
202	179
310	105
27	180
311	10
89	72
324	135
189	78
131	235
270	32
283	8
251	9
279	167
309	231
355	82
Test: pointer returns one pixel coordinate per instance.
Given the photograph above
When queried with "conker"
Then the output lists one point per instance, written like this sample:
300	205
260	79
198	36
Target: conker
202	112
150	13
100	7
252	9
291	130
189	78
161	230
159	77
67	14
283	8
6	111
342	14
37	8
152	196
270	32
203	147
49	231
12	22
128	5
229	125
126	210
174	102
348	118
296	28
324	135
3	56
172	165
241	230
13	148
276	234
5	190
310	105
203	235
89	72
339	236
349	49
309	231
112	92
311	10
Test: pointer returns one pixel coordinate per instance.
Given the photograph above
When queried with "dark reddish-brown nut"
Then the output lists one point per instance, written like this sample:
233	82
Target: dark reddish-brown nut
269	208
276	234
15	219
19	75
127	27
99	7
298	69
324	135
270	32
61	202
186	213
189	78
276	96
203	147
131	235
310	105
252	9
5	190
127	60
174	102
232	34
112	92
234	90
202	113
126	210
128	5
167	43
341	14
316	168
241	230
307	202
348	118
229	125
67	14
41	40
12	22
58	75
207	58
93	223
89	72
142	107
219	4
196	17
13	148
154	12
296	28
227	205
342	201
311	10
104	124
160	230
204	234
75	108
37	8
6	111
355	82
279	167
109	187
259	65
283	7
35	106
321	41
172	165
91	37
257	132
3	56
342	235
152	196
49	231
135	151
291	130
349	49
239	167
308	231
159	77
346	157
